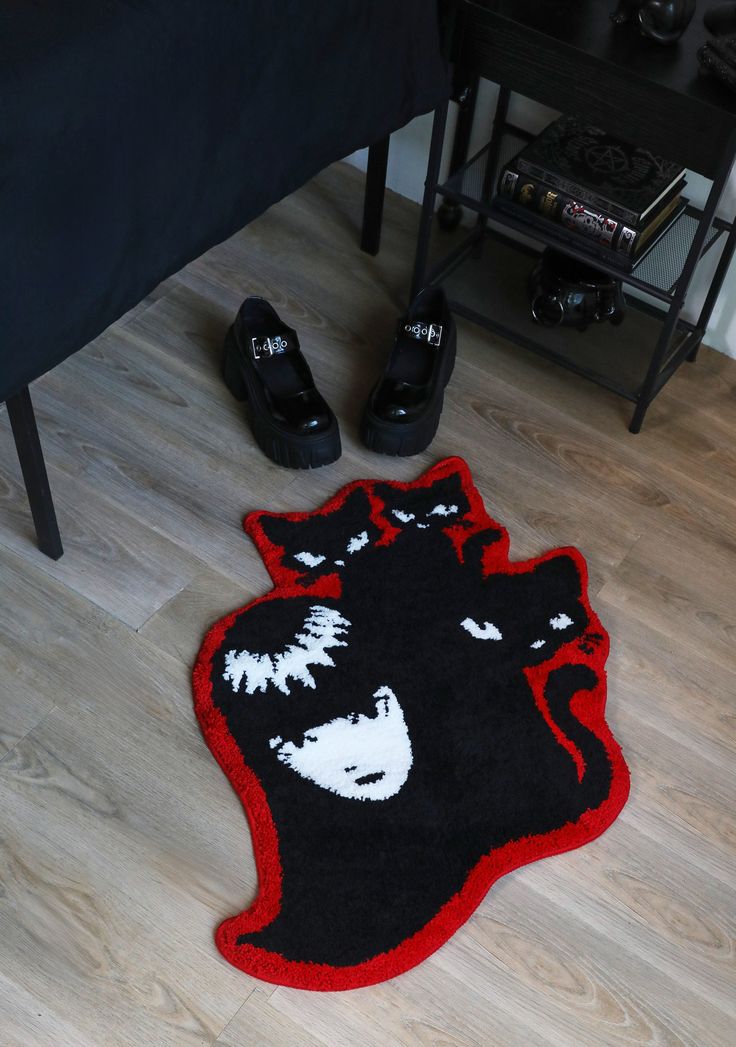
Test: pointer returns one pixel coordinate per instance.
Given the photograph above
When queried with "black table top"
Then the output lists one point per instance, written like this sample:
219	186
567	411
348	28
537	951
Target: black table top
585	26
568	55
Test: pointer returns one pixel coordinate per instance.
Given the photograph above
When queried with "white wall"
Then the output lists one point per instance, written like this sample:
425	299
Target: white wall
407	168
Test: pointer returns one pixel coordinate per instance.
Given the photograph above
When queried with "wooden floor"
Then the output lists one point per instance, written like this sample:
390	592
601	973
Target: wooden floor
121	843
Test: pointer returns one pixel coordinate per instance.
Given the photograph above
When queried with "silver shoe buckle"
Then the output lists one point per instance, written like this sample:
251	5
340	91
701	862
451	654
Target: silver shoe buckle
431	333
268	346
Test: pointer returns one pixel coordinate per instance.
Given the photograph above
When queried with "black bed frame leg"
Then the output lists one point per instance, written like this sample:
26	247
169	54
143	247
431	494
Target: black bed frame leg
33	467
375	190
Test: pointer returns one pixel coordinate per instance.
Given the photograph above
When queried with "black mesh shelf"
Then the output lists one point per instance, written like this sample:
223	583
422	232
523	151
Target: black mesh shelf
468	180
657	273
662	266
485	269
486	280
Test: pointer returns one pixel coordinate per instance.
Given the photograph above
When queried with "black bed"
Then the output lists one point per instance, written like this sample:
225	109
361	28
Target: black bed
135	134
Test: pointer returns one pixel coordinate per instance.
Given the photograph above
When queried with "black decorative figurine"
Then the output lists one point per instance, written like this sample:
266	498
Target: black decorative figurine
662	20
565	292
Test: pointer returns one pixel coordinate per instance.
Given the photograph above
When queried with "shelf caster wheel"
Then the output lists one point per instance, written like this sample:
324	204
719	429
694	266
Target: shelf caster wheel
449	215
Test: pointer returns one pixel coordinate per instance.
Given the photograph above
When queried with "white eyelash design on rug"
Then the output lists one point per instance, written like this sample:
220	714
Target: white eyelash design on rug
322	629
443	510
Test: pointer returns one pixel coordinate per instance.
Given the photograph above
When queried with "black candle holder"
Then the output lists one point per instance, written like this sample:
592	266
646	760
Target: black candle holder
566	292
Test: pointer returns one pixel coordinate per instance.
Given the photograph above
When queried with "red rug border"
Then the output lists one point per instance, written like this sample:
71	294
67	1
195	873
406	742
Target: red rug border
322	977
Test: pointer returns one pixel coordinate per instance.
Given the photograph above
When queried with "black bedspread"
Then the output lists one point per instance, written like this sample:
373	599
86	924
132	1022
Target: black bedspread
135	134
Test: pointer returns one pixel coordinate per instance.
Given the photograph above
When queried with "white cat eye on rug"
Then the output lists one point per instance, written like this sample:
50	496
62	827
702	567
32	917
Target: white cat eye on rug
359	757
439	510
309	559
356	543
487	631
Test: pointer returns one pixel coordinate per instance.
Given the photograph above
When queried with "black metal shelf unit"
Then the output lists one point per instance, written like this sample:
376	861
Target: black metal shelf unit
486	274
656	274
471	271
485	278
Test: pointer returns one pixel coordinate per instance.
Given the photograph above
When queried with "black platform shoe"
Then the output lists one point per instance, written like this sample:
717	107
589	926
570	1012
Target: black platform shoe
403	411
263	365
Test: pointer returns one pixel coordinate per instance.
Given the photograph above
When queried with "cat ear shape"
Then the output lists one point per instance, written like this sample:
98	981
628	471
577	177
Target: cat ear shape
310	545
561	578
449	503
482	549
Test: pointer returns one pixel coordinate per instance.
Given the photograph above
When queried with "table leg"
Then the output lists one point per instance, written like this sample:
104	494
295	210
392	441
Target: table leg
33	467
430	188
375	190
449	213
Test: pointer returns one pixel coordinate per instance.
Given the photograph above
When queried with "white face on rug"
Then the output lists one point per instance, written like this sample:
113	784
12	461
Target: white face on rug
359	757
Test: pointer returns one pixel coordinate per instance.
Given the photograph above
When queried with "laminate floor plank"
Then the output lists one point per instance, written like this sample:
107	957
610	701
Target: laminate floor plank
688	808
122	845
179	627
564	980
258	1024
26	700
585	989
116	561
26	1020
621	471
672	687
428	1005
108	893
677	586
96	968
116	443
125	796
667	912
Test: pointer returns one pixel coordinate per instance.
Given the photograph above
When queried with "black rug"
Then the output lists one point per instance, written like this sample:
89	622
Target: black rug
406	716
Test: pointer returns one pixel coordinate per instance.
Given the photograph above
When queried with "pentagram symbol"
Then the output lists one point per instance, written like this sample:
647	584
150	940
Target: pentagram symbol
606	159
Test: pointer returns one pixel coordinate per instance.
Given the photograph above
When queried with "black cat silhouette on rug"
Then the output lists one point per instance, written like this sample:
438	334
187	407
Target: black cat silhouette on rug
406	716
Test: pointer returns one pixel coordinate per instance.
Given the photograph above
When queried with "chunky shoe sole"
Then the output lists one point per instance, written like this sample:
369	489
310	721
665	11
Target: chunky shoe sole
407	438
294	451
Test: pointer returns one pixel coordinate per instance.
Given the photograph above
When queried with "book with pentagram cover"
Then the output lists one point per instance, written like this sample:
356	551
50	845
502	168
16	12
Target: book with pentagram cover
625	180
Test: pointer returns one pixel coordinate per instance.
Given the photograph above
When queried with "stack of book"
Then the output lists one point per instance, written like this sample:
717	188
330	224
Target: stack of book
608	198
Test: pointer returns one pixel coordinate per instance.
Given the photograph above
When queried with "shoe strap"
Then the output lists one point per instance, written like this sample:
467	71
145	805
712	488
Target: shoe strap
265	346
421	331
